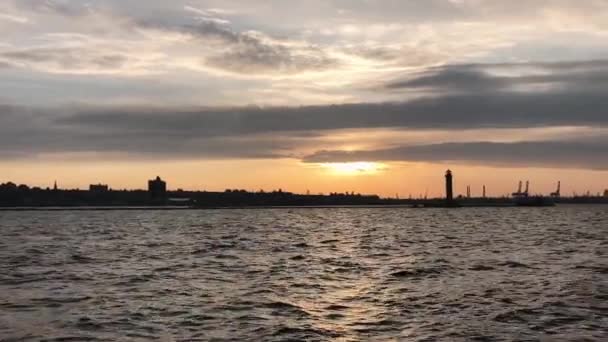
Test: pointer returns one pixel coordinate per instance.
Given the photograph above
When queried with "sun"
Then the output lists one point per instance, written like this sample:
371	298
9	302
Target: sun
354	168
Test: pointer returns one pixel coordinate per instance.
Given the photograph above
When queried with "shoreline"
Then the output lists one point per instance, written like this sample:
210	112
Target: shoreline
183	208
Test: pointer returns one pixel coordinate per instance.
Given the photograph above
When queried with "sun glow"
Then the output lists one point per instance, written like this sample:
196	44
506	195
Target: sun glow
354	168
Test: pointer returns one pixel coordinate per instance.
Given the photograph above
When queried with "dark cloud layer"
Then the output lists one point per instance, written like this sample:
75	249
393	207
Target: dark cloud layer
462	97
562	154
252	132
497	110
574	76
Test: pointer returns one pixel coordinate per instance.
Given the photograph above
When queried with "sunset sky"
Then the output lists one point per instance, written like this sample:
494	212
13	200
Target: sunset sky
371	96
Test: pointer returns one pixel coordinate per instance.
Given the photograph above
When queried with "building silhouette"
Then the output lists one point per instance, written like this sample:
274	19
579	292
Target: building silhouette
98	188
157	188
606	193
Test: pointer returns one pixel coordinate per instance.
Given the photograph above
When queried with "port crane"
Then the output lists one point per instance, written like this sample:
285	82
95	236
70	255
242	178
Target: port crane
521	193
558	192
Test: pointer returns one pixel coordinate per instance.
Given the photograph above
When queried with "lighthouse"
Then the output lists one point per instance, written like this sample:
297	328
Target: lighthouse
449	191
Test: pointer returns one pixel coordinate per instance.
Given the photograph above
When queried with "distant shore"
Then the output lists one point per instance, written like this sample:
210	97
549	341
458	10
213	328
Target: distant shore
183	208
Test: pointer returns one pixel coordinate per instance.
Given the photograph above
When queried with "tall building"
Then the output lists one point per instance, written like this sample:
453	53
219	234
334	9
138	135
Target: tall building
606	193
157	188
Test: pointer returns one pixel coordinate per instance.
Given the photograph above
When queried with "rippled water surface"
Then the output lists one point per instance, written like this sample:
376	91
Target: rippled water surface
499	274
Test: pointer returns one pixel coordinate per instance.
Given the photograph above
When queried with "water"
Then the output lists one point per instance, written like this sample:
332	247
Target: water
494	274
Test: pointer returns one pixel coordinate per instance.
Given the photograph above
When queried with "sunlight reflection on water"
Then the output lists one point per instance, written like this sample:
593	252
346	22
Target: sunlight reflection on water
306	274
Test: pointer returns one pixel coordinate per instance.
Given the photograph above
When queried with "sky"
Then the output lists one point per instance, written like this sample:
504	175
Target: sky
370	96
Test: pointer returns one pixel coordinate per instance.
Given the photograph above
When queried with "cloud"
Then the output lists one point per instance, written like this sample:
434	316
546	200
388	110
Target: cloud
201	40
464	97
473	97
27	133
251	52
485	110
272	39
66	8
65	59
280	131
561	154
471	78
13	18
393	56
169	55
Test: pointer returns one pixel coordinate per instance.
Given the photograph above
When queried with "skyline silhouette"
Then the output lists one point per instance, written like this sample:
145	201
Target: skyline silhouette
158	194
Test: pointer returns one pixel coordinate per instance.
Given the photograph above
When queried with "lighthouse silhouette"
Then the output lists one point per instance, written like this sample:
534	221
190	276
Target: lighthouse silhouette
449	190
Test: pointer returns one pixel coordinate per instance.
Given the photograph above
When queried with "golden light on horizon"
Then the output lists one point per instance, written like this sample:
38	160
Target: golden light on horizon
353	168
